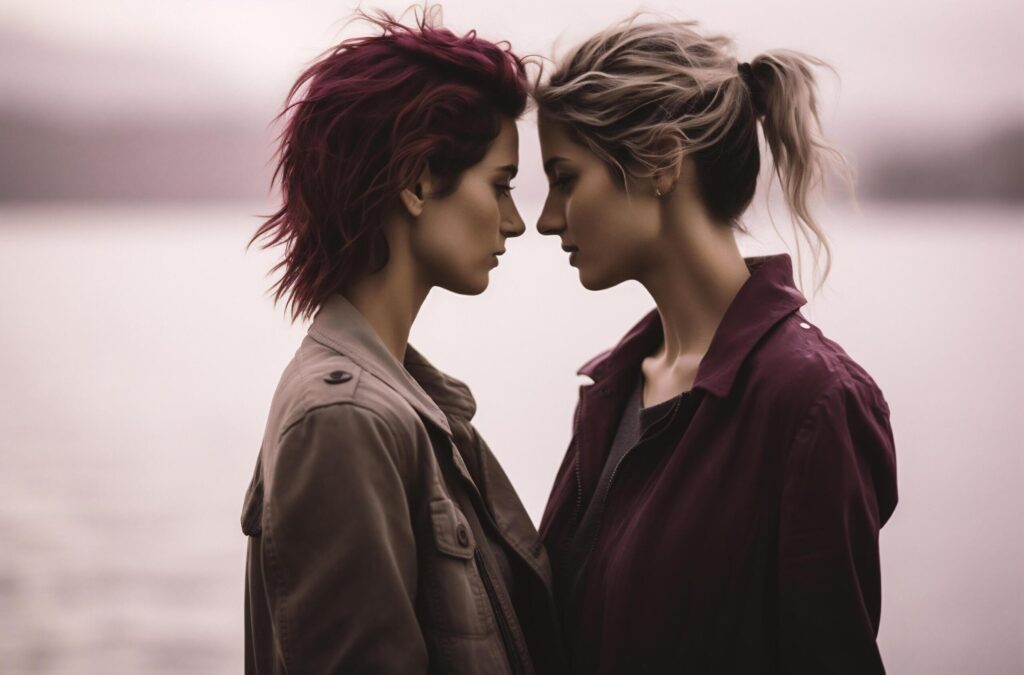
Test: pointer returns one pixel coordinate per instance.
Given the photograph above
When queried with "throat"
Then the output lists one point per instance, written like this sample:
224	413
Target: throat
664	380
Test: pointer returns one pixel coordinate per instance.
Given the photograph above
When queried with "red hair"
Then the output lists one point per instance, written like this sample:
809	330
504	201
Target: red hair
373	112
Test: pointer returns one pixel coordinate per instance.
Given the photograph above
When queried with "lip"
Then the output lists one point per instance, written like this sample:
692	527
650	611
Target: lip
572	251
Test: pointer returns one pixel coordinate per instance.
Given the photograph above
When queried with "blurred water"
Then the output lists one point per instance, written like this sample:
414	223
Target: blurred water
138	354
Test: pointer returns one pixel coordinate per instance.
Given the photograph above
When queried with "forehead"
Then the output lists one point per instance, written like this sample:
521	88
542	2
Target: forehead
555	139
505	148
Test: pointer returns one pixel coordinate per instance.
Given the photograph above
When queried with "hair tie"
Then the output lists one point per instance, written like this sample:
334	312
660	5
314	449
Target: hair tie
753	85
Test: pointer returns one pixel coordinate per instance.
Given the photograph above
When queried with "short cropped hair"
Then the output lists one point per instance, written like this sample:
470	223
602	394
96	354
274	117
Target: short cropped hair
363	121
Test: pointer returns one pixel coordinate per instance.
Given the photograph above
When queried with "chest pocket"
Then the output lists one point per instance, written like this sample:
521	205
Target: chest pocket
453	592
451	529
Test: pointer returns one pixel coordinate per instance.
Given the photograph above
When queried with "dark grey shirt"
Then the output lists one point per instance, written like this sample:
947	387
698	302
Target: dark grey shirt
634	421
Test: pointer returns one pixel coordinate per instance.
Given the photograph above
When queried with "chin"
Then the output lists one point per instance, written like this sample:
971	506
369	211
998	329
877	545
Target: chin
469	286
595	283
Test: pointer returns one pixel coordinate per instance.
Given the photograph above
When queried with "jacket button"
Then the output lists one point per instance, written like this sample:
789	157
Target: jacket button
462	535
337	377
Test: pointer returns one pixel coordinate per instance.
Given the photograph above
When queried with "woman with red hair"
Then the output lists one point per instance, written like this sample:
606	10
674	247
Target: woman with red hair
383	534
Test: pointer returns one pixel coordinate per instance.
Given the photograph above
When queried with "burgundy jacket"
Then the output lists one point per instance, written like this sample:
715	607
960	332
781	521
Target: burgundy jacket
741	533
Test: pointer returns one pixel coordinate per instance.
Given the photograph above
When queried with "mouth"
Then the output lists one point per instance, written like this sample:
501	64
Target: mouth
572	251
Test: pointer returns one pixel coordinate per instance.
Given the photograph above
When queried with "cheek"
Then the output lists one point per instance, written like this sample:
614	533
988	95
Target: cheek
489	214
595	212
477	214
464	233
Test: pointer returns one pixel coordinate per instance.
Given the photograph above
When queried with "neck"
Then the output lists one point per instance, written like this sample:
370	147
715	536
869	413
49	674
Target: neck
389	300
693	277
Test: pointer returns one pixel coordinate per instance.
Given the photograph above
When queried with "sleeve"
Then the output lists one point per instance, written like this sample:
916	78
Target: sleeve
839	488
339	550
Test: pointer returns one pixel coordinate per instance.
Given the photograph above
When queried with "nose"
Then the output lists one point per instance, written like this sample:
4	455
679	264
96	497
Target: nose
512	224
552	220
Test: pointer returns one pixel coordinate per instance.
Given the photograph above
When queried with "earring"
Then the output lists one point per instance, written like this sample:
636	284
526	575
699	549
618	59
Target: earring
657	191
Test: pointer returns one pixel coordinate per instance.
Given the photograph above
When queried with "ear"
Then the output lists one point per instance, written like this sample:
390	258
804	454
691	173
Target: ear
415	196
665	180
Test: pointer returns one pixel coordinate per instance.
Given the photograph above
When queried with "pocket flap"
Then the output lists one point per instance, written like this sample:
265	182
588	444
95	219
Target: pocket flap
452	533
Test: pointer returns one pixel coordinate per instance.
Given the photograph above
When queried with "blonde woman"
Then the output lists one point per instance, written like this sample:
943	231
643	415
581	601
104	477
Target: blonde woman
730	467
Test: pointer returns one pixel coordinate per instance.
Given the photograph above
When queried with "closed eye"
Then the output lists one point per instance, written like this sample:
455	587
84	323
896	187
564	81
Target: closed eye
562	182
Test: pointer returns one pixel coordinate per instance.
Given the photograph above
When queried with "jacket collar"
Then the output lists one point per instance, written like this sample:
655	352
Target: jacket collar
767	296
432	393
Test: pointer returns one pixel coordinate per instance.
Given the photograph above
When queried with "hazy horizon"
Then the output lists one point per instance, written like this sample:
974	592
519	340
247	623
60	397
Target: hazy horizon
123	100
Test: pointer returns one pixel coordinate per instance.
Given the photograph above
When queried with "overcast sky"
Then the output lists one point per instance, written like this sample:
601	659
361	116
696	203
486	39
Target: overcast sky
915	64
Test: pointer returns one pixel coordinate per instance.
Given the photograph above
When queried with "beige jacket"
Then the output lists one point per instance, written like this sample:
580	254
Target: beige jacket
366	519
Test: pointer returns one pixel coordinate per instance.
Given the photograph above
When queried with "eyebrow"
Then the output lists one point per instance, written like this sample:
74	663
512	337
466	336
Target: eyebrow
511	169
549	166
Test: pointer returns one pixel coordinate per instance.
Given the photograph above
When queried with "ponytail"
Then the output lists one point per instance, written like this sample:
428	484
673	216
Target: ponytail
647	94
783	91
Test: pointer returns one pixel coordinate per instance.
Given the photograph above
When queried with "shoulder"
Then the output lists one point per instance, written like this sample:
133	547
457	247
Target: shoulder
329	414
320	385
840	440
803	371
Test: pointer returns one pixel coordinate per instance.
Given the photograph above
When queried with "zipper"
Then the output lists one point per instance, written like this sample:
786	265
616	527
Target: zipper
499	615
579	491
567	540
487	520
484	515
579	479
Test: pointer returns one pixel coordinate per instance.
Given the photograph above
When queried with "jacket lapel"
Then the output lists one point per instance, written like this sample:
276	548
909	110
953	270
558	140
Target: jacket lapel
444	401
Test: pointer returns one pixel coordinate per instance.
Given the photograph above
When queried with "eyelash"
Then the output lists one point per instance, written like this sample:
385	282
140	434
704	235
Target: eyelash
562	182
504	190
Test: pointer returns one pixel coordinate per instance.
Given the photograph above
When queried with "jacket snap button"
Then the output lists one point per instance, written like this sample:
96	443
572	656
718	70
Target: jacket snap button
337	377
462	535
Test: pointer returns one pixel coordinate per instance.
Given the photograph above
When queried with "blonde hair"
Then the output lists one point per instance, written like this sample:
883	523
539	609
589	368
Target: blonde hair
644	95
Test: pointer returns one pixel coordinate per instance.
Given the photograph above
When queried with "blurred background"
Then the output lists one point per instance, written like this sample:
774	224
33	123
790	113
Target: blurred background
139	350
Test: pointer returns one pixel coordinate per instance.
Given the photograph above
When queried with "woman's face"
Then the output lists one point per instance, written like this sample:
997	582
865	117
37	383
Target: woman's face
609	233
457	239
